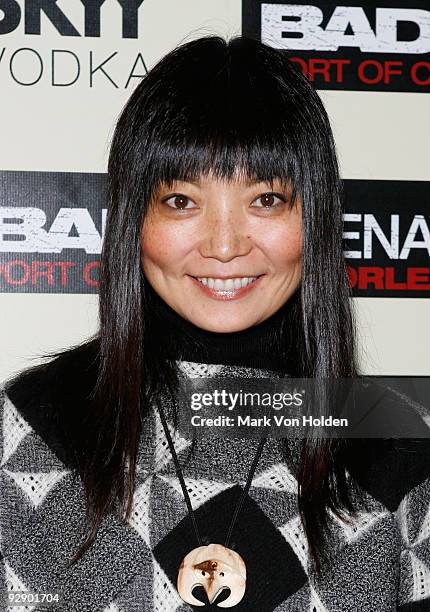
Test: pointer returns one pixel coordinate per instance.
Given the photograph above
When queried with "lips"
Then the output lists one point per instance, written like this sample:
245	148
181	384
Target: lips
226	284
227	288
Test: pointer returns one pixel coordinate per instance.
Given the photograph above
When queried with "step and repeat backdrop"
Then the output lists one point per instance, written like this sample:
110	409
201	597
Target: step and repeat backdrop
66	70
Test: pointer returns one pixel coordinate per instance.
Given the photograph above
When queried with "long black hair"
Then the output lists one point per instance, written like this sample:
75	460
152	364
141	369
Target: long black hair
218	106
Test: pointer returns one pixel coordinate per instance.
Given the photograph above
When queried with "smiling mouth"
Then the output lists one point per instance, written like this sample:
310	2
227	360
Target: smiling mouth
227	288
226	284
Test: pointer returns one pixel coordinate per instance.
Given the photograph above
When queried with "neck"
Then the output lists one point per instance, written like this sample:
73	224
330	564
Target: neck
265	345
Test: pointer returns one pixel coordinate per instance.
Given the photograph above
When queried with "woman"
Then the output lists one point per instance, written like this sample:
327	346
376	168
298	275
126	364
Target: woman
222	257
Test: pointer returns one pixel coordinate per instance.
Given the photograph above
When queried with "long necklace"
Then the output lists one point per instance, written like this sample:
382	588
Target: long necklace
214	567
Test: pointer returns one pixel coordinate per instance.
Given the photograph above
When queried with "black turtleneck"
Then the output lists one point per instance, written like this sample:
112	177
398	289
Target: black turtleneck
264	345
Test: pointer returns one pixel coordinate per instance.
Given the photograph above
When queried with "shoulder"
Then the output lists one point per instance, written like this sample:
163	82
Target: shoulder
67	373
389	469
52	398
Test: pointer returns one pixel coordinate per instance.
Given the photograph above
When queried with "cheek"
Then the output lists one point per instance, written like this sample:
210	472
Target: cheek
283	247
161	245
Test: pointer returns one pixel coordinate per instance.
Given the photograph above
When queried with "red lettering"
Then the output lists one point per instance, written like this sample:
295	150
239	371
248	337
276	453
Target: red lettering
319	66
367	79
418	278
302	63
340	64
352	276
389	70
40	269
64	267
371	276
7	269
390	282
324	67
383	71
87	271
414	73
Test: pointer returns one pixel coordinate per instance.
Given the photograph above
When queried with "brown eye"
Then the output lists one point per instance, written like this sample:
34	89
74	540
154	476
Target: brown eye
269	200
177	201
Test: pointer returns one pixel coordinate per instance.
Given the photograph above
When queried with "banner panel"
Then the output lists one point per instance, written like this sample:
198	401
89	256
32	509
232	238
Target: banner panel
362	46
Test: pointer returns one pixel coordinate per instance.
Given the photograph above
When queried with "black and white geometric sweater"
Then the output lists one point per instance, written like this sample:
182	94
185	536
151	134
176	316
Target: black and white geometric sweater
381	563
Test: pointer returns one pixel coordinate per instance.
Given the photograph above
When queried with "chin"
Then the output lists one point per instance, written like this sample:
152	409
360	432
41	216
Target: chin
223	327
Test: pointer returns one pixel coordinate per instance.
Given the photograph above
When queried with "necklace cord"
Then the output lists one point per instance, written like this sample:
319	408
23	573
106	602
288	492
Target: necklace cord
245	490
184	487
179	473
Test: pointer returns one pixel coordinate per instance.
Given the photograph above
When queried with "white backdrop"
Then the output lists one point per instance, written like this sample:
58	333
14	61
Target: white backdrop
50	127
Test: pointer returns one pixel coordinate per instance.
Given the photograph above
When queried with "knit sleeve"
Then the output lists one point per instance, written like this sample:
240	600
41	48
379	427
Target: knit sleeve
3	417
2	394
414	524
3	590
13	429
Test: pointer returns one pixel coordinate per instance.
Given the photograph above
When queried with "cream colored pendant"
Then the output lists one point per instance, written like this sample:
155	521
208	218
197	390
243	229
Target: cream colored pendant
213	567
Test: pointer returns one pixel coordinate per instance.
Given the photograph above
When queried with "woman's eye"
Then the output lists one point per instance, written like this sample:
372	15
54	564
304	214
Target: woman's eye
269	200
178	202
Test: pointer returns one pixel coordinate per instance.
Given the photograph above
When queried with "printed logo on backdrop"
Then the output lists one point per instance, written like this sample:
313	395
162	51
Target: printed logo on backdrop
368	45
52	228
51	231
72	42
387	237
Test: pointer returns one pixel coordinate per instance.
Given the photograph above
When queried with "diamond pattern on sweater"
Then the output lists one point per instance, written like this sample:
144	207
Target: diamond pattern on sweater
316	605
15	428
193	369
14	585
358	525
140	518
162	451
424	533
363	575
414	516
277	477
295	536
112	607
421	578
416	572
166	597
254	536
199	490
403	525
36	485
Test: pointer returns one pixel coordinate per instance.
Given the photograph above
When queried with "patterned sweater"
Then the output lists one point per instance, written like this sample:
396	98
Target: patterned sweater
379	563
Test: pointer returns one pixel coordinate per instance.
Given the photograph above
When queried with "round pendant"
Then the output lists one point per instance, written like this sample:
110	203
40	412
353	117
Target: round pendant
214	567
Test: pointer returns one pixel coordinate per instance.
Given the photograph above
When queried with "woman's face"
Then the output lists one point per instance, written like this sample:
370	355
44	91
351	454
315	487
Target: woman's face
215	230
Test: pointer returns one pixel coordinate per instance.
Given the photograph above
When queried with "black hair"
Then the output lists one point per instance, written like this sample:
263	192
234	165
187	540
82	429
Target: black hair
223	107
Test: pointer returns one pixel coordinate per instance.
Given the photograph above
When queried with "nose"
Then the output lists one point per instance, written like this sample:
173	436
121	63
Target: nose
225	236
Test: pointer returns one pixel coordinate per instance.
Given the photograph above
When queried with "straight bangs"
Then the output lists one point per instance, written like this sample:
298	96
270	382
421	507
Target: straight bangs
218	112
242	158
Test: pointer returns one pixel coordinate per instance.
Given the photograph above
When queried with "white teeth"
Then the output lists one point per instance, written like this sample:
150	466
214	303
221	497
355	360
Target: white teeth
228	284
237	283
